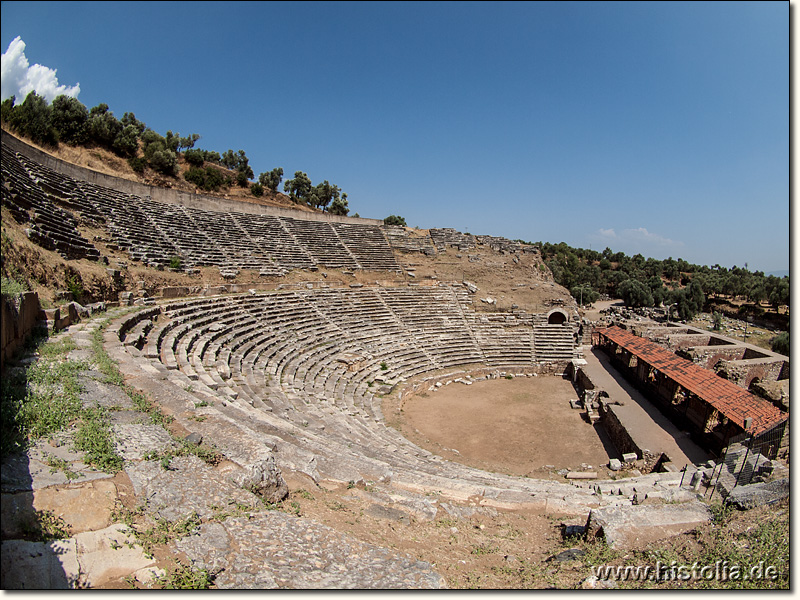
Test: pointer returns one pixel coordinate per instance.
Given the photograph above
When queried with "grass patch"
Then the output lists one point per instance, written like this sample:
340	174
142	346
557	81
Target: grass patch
95	438
41	398
160	533
207	454
11	287
184	577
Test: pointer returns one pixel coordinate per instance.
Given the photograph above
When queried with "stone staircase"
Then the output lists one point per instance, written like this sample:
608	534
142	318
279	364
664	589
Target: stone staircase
553	342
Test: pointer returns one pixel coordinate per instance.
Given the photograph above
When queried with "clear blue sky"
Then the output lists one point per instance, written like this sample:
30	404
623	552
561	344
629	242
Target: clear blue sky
660	128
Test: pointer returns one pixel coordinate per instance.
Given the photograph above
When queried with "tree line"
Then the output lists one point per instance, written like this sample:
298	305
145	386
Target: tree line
640	281
68	121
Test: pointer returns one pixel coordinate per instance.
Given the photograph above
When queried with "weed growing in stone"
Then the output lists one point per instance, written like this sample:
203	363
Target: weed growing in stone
184	577
94	436
47	526
60	465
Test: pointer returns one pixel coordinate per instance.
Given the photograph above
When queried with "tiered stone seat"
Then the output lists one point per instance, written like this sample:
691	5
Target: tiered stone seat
321	241
554	342
498	243
368	245
155	232
442	238
400	239
51	227
132	227
298	336
270	234
61	189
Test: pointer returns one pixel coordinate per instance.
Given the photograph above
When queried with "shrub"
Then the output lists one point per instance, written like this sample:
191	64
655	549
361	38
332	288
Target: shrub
195	157
209	179
257	190
780	343
395	220
175	262
137	164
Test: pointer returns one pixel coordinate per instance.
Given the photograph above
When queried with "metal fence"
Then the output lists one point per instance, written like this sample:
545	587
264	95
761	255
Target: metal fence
745	458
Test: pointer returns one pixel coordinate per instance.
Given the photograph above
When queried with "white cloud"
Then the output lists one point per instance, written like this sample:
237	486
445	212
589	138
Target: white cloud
607	233
642	235
18	79
633	241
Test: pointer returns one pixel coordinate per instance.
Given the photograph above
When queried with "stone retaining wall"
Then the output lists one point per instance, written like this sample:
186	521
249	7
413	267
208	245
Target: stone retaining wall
620	437
20	316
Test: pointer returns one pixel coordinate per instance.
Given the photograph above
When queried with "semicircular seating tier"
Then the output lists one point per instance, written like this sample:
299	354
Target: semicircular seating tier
155	232
304	371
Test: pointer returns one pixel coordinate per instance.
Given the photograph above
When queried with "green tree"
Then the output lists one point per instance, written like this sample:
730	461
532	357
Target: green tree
194	157
271	179
779	293
7	110
127	142
323	194
241	179
185	143
299	188
229	159
780	343
130	119
339	206
158	155
635	293
395	220
257	190
70	120
584	294
33	120
103	126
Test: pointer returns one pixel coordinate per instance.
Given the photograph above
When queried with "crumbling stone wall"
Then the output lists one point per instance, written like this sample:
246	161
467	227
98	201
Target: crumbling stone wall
708	356
742	372
620	437
20	316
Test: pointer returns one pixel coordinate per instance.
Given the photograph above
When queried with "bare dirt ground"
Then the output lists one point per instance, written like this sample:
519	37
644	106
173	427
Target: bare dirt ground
506	426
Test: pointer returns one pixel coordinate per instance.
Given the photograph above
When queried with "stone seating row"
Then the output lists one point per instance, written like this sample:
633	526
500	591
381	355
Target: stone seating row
400	239
51	227
285	355
341	438
155	232
444	237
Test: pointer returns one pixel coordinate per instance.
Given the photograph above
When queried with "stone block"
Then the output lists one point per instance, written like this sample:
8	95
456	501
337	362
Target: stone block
637	526
629	457
615	464
745	497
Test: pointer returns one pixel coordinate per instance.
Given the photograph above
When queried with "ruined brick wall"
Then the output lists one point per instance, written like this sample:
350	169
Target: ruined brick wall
708	356
20	316
742	373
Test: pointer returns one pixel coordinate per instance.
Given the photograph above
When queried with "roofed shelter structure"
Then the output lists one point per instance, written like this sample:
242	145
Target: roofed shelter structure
716	411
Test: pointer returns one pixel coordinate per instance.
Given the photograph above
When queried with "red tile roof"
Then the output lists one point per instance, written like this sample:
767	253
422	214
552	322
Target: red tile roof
728	398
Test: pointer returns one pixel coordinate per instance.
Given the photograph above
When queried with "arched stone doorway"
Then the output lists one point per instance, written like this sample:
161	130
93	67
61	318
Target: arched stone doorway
557	317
